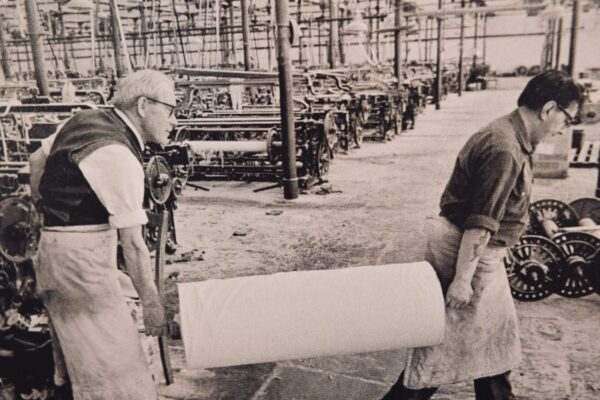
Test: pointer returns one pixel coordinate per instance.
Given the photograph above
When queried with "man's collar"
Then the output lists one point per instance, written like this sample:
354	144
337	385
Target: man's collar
523	136
130	125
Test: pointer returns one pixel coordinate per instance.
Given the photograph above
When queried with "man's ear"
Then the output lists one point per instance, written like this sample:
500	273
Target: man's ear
141	104
545	110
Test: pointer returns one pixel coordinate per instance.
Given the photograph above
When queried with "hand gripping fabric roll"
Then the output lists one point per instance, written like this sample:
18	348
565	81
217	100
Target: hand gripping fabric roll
293	315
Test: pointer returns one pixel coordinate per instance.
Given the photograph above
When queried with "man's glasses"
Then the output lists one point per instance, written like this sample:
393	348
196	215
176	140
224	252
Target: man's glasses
170	107
570	120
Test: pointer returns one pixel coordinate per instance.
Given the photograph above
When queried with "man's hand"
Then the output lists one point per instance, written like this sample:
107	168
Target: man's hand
459	294
155	322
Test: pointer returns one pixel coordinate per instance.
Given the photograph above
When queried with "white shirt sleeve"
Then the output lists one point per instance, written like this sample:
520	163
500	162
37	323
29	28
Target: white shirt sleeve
117	178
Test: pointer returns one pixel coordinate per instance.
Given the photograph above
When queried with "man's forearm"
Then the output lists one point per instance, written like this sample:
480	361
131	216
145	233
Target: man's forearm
472	246
137	263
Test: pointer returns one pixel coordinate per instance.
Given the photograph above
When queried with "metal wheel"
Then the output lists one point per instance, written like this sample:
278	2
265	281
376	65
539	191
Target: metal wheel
19	229
576	276
158	179
323	160
532	267
561	213
587	207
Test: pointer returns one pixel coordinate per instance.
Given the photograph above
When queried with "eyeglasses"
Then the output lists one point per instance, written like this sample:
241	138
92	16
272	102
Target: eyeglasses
570	120
170	107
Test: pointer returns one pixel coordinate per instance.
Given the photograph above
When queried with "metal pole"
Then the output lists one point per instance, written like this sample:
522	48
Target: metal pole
6	68
485	17
573	44
232	33
398	42
475	39
245	35
300	44
438	70
377	11
558	42
333	34
290	180
461	43
62	36
116	39
37	47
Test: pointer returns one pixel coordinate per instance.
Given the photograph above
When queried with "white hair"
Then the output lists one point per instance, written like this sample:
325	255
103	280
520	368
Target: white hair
145	82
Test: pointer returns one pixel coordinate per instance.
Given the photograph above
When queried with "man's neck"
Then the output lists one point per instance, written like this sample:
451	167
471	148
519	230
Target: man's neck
530	121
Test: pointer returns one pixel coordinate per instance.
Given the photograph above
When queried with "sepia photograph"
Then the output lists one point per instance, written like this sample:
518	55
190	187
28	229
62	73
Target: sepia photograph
299	199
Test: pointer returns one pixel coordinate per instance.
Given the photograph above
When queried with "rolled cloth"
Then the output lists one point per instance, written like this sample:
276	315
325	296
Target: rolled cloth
245	146
304	314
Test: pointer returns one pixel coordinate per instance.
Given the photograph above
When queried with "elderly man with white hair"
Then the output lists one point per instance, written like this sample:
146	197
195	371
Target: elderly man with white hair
91	182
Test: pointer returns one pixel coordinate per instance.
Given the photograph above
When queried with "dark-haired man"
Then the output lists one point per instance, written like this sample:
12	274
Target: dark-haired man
484	210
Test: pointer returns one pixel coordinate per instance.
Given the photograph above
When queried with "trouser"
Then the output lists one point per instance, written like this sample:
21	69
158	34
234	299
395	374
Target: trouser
488	388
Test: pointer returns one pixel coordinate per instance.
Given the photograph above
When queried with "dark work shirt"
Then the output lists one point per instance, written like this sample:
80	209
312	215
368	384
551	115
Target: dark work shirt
491	182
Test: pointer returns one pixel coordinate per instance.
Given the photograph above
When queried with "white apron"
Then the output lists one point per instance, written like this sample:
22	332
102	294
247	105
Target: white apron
480	341
78	283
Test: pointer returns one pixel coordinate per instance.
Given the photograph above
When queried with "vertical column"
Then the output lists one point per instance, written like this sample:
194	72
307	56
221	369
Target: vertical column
37	47
573	43
558	43
333	34
461	45
438	70
398	42
246	34
290	179
4	54
116	39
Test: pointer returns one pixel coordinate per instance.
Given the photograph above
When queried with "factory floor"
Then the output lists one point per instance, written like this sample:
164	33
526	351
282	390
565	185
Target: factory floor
372	213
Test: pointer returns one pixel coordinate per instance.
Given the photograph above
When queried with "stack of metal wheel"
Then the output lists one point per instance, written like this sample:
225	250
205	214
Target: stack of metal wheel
560	252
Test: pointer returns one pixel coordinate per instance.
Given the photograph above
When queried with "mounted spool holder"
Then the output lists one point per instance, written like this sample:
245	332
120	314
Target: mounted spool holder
574	230
532	267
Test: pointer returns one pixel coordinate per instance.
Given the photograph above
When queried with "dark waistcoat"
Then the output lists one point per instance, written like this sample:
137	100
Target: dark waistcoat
67	198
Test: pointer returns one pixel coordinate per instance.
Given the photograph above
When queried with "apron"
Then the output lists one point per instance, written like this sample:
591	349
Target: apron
78	283
479	341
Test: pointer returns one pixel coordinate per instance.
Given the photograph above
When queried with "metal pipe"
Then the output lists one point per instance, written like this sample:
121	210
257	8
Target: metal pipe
37	47
6	68
300	44
333	34
290	179
245	34
461	45
438	70
62	35
475	39
116	39
558	43
485	17
398	42
573	43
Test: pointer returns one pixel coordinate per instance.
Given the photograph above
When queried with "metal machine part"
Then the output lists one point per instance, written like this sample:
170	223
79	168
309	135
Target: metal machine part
532	267
579	249
545	216
587	208
158	179
19	229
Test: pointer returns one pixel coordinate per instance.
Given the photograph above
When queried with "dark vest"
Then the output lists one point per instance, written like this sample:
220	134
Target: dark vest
67	198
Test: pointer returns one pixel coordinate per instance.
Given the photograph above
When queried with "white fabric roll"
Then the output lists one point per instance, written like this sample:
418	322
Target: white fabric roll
304	314
246	146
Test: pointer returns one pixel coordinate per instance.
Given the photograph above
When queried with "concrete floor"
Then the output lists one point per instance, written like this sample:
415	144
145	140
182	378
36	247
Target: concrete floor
385	193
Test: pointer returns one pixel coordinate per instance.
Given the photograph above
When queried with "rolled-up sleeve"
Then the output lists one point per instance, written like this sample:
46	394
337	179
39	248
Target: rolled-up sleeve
492	184
117	178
